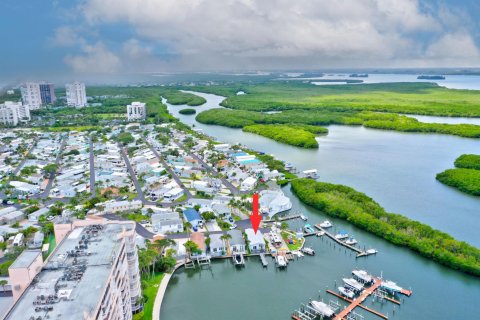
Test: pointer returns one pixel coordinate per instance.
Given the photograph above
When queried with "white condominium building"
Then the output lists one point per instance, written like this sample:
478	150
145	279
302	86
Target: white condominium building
11	113
136	111
92	274
31	95
76	94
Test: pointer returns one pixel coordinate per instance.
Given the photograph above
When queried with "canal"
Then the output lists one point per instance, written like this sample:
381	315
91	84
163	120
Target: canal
397	170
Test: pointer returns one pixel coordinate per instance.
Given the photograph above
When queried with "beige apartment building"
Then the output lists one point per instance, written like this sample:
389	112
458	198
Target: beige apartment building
92	274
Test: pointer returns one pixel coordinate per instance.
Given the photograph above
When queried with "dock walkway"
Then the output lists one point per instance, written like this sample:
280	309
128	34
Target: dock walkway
292	217
360	252
263	259
357	302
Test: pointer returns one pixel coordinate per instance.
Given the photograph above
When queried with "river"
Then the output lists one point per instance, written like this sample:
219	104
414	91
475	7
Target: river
397	170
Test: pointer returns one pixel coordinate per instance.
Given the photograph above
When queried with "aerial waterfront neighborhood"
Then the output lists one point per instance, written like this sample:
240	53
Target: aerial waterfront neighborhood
212	160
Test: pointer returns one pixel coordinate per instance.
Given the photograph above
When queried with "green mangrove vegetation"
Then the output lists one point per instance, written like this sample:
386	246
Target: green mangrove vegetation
300	136
413	98
187	111
465	177
177	97
468	161
346	203
323	116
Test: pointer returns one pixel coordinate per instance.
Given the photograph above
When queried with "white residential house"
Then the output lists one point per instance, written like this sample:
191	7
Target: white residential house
167	222
256	242
248	184
173	194
272	202
236	242
217	245
120	206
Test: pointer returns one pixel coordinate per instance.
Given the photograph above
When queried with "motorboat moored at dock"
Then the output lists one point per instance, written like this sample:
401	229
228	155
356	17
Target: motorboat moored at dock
351	241
345	292
322	308
281	261
341	235
308	229
362	276
352	283
309	251
304	218
326	224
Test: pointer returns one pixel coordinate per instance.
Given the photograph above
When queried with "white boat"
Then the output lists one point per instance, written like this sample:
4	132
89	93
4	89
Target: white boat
238	259
351	241
341	235
320	233
391	286
312	174
298	254
326	224
308	251
322	308
281	261
362	275
345	292
372	251
352	283
303	217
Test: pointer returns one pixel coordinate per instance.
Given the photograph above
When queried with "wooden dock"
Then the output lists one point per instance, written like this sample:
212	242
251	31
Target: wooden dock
292	217
360	252
358	302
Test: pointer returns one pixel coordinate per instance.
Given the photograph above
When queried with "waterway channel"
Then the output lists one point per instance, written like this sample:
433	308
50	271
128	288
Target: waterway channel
397	170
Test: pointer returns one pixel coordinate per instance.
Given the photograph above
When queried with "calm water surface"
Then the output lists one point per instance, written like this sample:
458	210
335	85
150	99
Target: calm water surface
397	170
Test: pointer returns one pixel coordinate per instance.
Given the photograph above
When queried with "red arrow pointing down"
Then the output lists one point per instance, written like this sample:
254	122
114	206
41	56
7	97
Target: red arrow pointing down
255	217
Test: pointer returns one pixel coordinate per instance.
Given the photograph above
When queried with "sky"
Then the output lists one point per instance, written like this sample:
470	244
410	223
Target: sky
49	38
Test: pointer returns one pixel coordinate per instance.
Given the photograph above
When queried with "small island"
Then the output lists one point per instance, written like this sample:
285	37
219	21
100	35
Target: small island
431	77
296	135
359	75
465	176
187	111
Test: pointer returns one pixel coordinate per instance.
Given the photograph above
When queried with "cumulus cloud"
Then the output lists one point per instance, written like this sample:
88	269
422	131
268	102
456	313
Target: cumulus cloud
66	36
276	33
94	59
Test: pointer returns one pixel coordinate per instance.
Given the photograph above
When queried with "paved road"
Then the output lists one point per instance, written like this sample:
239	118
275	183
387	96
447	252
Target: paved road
92	169
17	169
227	183
46	193
172	173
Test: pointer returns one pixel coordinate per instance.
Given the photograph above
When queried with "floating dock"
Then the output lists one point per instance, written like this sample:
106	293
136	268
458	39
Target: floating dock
360	252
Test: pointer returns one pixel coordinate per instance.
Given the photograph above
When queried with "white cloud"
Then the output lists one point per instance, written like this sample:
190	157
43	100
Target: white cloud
455	47
67	36
94	59
274	33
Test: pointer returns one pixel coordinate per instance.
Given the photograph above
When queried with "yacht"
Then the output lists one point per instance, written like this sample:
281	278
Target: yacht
303	217
341	235
326	224
372	251
351	241
362	275
352	283
281	261
391	286
308	251
345	292
322	308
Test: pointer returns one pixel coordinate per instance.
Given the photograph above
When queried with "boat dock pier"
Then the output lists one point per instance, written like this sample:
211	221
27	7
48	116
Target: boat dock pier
263	259
291	217
360	252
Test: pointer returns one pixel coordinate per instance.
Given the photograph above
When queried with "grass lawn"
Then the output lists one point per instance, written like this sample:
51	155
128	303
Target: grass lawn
150	292
298	242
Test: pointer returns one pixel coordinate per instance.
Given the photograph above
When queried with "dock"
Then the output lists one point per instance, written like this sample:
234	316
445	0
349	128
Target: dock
358	302
291	217
360	252
263	259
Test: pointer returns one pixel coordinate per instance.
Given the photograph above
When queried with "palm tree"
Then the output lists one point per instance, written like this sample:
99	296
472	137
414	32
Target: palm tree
3	283
225	237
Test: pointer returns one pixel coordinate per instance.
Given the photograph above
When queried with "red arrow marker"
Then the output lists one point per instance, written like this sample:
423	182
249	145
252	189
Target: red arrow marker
255	217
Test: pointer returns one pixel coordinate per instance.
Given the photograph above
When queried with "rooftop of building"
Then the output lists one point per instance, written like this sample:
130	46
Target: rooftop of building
73	279
25	259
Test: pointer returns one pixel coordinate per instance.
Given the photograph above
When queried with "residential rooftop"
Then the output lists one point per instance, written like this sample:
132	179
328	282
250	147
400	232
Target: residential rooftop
73	279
